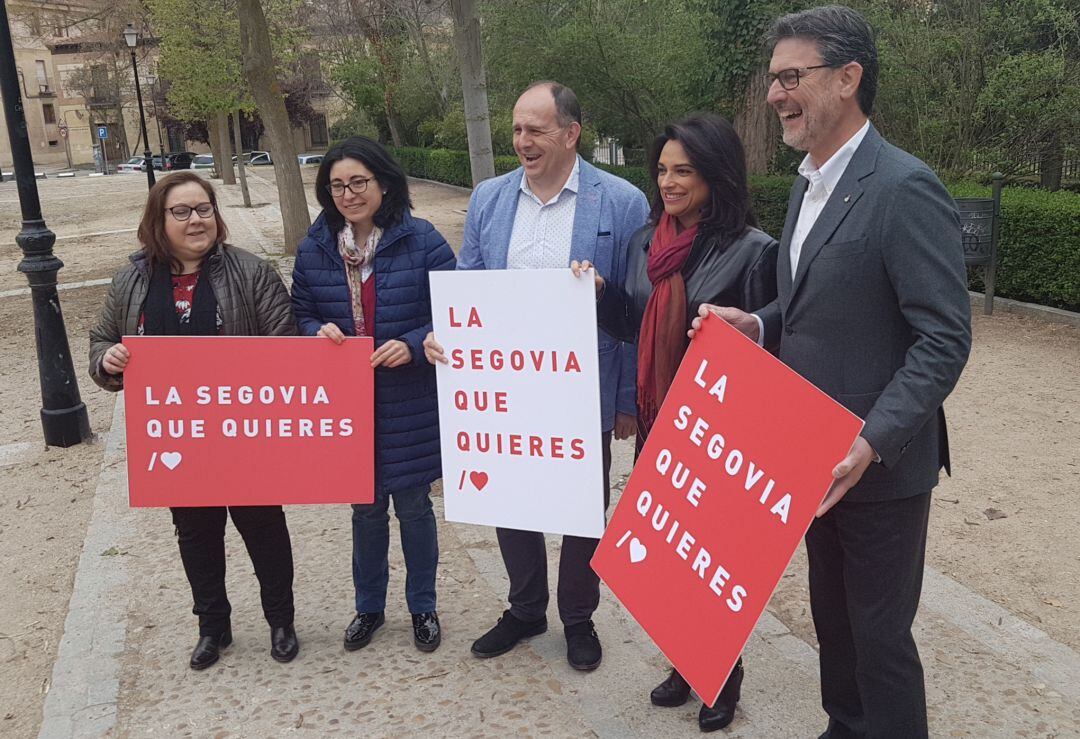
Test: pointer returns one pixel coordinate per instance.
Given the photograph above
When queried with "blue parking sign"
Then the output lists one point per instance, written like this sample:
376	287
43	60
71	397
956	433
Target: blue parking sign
103	132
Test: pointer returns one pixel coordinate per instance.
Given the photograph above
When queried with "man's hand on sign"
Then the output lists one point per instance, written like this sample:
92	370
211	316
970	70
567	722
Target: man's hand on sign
332	332
744	322
433	350
580	268
625	425
393	353
848	473
116	359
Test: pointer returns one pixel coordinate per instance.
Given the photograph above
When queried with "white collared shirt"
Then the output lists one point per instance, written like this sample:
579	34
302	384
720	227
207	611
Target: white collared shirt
543	231
823	181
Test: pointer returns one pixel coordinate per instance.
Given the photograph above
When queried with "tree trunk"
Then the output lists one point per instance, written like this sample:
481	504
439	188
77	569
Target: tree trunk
756	124
240	159
261	74
1051	164
214	135
228	177
473	89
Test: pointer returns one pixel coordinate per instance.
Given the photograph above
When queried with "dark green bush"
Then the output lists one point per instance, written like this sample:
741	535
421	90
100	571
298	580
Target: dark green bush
1038	253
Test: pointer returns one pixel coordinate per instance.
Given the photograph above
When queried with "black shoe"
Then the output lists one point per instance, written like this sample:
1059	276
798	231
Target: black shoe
722	713
672	692
583	650
208	649
504	636
426	632
359	632
283	643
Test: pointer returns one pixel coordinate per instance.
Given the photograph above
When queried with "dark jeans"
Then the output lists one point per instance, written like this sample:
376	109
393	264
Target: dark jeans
525	557
371	544
866	571
201	535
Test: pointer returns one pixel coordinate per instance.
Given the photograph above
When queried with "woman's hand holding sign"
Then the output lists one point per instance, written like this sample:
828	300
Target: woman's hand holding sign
580	268
332	332
116	359
393	353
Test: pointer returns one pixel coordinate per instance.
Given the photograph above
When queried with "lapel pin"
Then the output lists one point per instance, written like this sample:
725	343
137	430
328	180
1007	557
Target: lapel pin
847	198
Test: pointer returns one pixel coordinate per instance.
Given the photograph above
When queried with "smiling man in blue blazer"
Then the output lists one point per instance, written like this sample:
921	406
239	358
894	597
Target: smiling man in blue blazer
553	209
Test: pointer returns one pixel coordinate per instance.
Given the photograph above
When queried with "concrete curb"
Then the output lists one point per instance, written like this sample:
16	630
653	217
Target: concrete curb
1031	310
82	699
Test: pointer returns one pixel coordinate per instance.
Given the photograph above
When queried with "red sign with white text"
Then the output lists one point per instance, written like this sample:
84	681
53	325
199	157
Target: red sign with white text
737	463
214	420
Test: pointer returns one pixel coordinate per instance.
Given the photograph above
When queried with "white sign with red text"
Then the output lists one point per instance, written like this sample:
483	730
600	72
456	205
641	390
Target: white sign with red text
519	406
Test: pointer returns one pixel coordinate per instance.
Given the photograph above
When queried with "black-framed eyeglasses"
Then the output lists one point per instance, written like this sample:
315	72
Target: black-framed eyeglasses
357	185
183	212
789	78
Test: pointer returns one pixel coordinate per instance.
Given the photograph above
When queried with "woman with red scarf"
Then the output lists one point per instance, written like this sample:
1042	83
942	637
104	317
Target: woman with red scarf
701	245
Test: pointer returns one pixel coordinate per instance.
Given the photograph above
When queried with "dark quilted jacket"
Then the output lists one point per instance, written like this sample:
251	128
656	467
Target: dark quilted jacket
406	404
251	298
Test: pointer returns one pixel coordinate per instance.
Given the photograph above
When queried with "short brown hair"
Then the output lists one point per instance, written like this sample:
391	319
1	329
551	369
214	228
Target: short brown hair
152	227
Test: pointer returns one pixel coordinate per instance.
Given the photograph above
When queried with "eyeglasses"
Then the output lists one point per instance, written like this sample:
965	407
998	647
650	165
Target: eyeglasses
789	78
183	212
357	185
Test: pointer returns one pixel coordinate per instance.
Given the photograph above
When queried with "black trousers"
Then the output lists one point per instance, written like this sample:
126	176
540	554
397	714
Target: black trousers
866	572
525	557
201	535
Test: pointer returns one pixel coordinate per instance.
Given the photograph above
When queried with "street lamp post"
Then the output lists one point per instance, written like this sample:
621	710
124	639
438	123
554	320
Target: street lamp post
131	36
63	414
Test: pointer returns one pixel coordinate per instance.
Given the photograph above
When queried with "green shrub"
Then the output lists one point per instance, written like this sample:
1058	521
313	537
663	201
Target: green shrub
1038	250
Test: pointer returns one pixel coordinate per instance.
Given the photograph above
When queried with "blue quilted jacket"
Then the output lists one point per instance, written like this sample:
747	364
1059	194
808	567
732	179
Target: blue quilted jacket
406	405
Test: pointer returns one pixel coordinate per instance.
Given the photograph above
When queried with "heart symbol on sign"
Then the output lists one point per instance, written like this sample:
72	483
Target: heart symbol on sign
637	550
478	479
171	459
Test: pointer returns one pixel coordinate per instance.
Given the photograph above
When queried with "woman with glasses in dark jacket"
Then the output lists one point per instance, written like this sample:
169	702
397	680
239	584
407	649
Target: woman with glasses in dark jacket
363	271
187	281
701	245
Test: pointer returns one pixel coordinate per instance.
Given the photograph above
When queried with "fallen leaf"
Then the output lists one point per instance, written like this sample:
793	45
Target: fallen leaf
110	552
1052	602
994	514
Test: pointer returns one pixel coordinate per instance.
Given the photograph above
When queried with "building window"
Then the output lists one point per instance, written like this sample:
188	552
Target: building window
54	143
49	112
320	136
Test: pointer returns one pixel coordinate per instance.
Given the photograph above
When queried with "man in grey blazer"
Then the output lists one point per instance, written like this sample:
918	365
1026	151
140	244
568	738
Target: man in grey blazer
872	308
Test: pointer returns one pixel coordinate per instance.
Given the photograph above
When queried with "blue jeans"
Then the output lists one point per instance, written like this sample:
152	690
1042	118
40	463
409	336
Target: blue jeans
371	544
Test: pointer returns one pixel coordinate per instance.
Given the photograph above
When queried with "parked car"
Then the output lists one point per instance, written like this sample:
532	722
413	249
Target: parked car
179	160
135	164
309	158
203	161
260	159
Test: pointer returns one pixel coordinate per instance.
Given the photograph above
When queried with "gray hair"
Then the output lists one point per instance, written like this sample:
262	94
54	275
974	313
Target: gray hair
567	108
841	35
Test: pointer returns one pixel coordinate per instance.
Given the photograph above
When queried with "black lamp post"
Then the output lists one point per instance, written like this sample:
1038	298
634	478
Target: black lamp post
63	414
131	36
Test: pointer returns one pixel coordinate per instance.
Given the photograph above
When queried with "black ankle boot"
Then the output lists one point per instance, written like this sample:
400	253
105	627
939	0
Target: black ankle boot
722	713
672	692
208	649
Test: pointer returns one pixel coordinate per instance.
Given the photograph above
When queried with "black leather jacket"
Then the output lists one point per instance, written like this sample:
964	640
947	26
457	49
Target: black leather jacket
742	275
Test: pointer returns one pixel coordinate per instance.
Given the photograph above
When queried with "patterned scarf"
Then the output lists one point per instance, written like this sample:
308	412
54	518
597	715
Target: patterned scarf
358	268
662	340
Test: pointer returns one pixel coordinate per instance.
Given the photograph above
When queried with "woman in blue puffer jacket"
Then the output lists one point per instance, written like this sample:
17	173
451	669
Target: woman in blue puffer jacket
363	270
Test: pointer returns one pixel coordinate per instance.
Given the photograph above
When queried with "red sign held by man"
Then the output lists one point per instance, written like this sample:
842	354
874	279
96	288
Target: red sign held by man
737	463
217	421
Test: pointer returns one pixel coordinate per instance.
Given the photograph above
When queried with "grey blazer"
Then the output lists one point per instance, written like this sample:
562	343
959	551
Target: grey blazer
878	315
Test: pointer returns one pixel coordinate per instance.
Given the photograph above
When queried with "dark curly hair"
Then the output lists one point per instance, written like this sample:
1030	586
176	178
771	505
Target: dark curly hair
389	176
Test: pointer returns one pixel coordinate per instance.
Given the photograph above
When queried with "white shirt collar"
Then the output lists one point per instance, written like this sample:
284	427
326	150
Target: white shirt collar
830	172
571	183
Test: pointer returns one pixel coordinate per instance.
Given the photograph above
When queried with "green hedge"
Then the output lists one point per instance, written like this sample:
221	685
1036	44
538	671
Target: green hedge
1038	252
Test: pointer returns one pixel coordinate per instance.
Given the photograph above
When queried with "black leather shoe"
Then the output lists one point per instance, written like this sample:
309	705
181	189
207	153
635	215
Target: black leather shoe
283	643
427	636
208	649
359	632
674	691
583	650
504	636
722	713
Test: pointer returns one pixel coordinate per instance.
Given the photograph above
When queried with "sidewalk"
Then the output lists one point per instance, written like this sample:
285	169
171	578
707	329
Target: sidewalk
122	665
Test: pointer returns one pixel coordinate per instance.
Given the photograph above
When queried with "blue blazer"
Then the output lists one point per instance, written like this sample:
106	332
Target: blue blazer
406	404
608	212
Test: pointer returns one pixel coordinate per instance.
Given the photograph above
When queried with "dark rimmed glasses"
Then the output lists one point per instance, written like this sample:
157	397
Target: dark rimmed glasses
357	185
789	78
183	212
